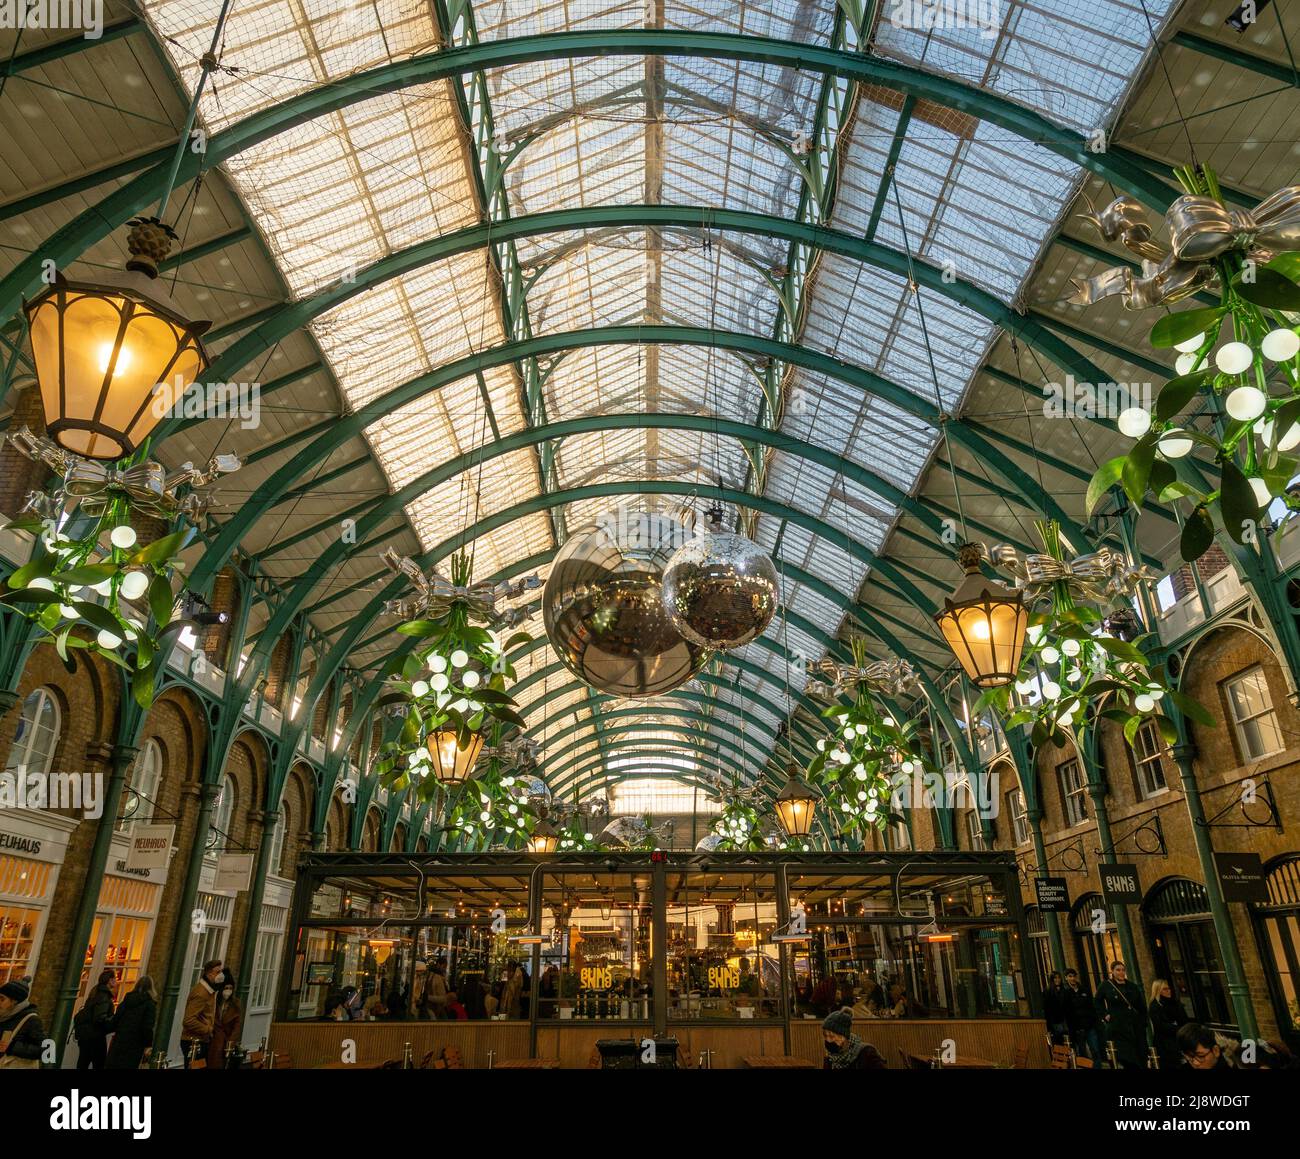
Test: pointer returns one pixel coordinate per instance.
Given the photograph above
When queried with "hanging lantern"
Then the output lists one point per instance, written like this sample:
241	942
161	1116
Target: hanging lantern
984	624
113	355
543	838
452	764
796	804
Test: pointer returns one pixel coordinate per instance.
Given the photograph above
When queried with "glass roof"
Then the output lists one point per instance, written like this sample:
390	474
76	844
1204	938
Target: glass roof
335	194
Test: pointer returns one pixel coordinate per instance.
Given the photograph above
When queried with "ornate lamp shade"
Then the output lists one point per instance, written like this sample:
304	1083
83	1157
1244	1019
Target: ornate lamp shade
114	355
543	838
796	805
984	624
452	764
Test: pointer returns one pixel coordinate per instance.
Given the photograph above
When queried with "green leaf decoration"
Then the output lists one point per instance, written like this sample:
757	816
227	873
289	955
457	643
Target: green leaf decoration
88	574
420	628
1168	732
1237	502
1198	534
1177	393
1191	708
1287	264
160	550
1103	479
1137	467
1179	490
515	641
1163	476
1270	289
31	596
161	600
142	685
1175	328
98	617
1130	729
36	569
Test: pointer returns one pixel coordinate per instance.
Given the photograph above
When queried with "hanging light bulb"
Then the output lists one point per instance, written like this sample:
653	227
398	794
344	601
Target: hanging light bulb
1174	444
452	764
1233	357
1246	403
984	624
796	804
1280	345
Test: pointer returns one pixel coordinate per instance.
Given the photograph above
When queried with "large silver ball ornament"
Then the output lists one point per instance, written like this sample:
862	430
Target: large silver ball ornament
604	610
710	843
721	590
531	790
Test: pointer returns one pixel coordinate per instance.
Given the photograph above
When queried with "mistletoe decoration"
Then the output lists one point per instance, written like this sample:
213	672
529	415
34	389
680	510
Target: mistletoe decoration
499	802
855	767
738	826
1072	660
90	586
1237	362
455	679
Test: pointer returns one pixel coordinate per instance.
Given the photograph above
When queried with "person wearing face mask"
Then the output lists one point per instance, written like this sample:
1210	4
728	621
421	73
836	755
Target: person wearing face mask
844	1049
225	1028
201	1011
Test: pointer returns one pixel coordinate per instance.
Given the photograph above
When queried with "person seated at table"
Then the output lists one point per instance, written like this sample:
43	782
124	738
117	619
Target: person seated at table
453	1009
844	1049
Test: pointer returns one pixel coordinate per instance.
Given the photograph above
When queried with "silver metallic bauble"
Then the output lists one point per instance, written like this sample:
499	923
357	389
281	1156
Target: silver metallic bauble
721	590
532	790
710	843
604	610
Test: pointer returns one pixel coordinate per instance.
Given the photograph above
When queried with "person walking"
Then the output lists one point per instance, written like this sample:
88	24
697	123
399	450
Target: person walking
1167	1016
1123	1017
844	1049
1082	1018
1056	1009
227	1023
133	1027
22	1037
513	992
200	1016
92	1023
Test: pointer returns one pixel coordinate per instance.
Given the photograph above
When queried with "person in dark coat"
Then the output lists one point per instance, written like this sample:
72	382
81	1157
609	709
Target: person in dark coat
1200	1048
229	1022
133	1026
1082	1018
1056	1008
22	1037
93	1022
1123	1017
1167	1016
844	1049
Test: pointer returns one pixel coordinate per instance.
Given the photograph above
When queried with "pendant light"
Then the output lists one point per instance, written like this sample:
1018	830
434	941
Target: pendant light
453	764
796	804
984	624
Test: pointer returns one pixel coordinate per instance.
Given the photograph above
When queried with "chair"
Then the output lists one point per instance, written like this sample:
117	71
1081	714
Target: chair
1020	1060
911	1063
1081	1063
1060	1058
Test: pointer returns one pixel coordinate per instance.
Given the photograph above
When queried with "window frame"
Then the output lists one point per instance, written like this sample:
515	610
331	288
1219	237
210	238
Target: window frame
1141	763
1068	796
1018	809
1255	671
223	812
151	755
25	736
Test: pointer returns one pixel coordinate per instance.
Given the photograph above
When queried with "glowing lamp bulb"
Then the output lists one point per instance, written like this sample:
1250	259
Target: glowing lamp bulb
1134	422
1174	444
1280	345
1246	403
1192	344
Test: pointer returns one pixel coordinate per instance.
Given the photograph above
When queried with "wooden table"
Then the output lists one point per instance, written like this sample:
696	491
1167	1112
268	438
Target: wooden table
961	1062
527	1064
779	1062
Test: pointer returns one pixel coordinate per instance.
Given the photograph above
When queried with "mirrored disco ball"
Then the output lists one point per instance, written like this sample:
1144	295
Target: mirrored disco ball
721	590
709	843
532	790
604	610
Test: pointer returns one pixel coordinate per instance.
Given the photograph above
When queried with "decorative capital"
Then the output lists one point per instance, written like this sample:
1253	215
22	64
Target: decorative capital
150	241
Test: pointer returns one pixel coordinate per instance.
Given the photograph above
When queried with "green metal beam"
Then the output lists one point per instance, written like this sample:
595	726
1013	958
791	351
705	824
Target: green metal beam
91	180
1233	55
69	242
205	248
68	46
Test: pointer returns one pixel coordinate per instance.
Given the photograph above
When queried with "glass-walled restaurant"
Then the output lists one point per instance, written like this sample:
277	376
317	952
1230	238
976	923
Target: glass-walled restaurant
657	940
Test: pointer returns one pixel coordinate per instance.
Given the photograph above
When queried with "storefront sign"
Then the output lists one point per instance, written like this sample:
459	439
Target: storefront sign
1053	895
596	977
724	977
1242	876
151	847
234	872
16	843
1119	884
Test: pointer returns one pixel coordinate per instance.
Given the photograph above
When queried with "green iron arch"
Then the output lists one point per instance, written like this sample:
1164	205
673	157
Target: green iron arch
69	242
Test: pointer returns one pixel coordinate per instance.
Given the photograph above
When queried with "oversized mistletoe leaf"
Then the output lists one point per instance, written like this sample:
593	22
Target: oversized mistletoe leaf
1103	479
1137	467
31	596
1238	503
1163	476
1271	289
1192	708
161	600
1175	328
160	550
421	628
1198	534
98	617
87	574
1177	393
39	568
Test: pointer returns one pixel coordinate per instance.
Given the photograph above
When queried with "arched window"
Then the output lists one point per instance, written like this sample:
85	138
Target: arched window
37	736
222	812
277	842
142	785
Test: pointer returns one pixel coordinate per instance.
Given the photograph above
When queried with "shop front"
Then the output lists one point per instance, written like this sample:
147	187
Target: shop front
731	955
32	848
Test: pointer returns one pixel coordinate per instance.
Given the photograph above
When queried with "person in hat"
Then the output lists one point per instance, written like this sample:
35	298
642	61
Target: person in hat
22	1037
844	1049
200	1015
